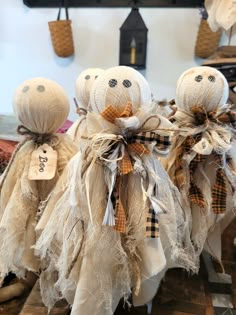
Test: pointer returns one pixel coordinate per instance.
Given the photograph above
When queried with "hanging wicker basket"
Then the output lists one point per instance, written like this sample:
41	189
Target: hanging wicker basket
61	35
207	41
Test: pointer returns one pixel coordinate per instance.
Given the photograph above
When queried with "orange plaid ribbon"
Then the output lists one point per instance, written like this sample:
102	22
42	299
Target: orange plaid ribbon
110	114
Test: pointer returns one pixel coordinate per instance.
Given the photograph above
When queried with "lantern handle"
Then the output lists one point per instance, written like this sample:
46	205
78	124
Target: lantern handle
134	3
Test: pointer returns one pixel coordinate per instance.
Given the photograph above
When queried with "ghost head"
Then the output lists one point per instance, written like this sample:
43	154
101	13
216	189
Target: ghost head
84	84
41	105
203	86
117	86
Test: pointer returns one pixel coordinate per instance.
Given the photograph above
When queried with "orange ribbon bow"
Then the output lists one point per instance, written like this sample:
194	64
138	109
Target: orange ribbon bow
110	114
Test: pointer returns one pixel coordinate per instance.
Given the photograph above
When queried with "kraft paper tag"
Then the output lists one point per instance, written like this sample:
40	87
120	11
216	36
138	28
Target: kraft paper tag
43	163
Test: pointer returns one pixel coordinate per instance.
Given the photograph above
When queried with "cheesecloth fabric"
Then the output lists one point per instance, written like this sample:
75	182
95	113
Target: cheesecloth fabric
83	86
42	106
206	88
85	259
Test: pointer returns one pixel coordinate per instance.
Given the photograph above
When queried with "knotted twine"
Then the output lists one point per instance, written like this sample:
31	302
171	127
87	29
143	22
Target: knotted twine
134	143
219	189
37	138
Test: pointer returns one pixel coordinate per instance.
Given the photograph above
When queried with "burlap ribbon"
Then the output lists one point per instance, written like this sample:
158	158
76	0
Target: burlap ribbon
38	139
134	143
219	189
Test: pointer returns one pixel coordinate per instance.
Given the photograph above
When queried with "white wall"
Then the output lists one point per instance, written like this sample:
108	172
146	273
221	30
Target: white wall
26	51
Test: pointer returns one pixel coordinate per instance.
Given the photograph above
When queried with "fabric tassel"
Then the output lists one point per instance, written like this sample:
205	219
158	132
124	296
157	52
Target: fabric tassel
195	195
152	226
219	192
125	164
120	220
109	217
87	189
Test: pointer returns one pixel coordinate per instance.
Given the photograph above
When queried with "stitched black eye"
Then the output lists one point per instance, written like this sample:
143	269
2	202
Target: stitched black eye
112	82
87	77
211	78
127	83
25	89
40	88
198	78
96	77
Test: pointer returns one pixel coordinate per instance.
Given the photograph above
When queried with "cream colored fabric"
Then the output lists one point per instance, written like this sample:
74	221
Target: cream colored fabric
207	87
19	205
83	87
112	90
195	88
96	265
221	14
84	84
42	106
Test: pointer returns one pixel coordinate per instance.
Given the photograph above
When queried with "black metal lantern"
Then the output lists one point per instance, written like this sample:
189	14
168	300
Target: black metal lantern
133	41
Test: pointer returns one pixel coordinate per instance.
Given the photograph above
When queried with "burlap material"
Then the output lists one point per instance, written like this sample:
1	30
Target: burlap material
61	35
207	41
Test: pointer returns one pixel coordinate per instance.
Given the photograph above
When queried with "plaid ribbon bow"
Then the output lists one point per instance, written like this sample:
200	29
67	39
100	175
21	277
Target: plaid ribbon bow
201	116
219	189
134	144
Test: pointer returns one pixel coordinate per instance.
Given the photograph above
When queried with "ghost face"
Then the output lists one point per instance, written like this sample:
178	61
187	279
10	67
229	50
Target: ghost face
41	105
203	86
117	86
84	84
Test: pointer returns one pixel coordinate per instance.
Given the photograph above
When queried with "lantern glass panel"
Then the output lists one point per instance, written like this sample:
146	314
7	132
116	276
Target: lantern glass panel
140	38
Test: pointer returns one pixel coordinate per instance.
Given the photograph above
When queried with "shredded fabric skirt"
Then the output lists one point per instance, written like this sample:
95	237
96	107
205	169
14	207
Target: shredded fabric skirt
21	200
206	226
93	266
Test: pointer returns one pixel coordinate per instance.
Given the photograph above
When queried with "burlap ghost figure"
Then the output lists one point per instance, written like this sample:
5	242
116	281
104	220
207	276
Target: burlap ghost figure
106	242
202	159
41	106
83	87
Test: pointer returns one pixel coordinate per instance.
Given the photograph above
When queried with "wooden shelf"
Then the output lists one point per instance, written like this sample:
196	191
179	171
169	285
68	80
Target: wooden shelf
114	3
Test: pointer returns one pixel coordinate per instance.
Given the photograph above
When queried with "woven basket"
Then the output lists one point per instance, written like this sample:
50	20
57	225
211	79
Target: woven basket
61	35
207	40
